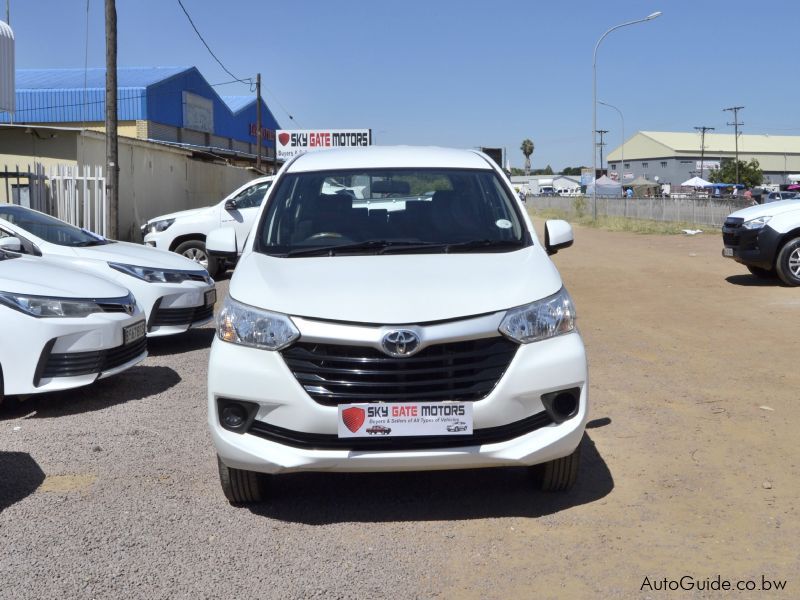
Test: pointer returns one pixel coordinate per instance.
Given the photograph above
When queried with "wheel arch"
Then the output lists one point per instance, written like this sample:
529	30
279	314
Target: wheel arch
188	237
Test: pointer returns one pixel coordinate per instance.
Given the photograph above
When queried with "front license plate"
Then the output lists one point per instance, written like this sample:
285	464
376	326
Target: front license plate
727	252
131	333
405	419
211	297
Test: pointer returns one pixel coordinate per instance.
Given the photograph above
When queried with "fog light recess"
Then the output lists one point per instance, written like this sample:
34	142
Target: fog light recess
562	405
236	415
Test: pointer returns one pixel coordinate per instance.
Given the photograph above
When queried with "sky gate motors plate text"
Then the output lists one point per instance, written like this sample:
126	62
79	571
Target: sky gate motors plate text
291	142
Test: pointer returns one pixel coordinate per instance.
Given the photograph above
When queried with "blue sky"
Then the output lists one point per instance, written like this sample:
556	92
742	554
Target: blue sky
465	73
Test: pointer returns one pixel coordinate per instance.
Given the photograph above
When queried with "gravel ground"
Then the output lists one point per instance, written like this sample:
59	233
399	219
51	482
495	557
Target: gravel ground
689	468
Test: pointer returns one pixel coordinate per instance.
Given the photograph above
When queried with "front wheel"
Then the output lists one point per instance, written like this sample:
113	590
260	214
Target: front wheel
196	250
788	262
761	273
558	475
241	487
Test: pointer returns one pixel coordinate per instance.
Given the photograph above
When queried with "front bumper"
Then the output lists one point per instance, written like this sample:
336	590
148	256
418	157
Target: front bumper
754	247
173	308
262	377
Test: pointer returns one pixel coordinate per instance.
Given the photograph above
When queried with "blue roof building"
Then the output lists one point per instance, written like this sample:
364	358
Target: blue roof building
167	104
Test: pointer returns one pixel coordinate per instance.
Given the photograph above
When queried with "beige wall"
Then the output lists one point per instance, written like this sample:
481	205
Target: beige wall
154	179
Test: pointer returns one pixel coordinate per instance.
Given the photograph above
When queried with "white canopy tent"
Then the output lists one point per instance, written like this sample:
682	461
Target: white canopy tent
696	182
606	187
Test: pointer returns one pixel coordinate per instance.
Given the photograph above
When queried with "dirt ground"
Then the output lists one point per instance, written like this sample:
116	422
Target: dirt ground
690	468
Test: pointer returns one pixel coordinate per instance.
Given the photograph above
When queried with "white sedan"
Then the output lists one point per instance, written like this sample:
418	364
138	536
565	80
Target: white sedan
174	292
63	329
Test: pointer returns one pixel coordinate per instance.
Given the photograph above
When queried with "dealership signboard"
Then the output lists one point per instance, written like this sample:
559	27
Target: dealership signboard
292	142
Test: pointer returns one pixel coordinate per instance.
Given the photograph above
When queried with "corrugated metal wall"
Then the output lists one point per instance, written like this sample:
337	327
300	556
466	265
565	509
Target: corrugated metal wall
76	105
6	68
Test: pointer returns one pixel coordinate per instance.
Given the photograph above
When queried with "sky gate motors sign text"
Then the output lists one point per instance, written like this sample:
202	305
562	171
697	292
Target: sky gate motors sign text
295	141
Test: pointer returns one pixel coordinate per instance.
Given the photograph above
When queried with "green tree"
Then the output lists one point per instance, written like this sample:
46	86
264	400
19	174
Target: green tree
571	171
750	173
527	149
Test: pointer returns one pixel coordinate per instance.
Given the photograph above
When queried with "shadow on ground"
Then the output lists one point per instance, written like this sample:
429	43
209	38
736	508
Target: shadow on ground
189	341
323	498
20	476
134	384
753	281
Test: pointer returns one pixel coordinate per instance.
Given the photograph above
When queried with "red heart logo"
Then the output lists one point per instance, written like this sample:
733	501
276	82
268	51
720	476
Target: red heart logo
283	138
353	418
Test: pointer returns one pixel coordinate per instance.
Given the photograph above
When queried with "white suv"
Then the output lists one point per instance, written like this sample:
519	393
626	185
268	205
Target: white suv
185	232
426	309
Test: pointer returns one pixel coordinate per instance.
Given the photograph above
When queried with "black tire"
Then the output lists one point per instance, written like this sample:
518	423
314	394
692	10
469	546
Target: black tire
761	273
196	250
241	487
558	475
788	262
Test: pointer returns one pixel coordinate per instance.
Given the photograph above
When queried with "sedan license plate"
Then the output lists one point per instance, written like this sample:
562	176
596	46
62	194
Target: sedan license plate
211	297
727	252
131	333
404	419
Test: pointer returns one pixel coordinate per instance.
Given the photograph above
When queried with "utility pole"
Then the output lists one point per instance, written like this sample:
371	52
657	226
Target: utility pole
602	132
112	150
258	120
735	110
8	13
702	129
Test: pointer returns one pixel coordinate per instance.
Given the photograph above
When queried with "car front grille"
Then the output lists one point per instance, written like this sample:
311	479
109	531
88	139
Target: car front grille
180	316
73	364
320	441
337	374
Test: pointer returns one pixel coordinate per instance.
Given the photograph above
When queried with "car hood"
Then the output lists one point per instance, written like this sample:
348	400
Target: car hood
136	254
770	209
181	214
395	289
39	277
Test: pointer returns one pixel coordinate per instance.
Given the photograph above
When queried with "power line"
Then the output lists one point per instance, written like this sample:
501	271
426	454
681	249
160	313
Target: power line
210	51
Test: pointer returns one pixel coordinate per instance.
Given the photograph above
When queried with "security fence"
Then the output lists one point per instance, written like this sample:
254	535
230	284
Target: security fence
699	211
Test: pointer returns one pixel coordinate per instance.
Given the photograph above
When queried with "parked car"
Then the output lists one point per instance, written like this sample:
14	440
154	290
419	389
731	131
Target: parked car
765	238
775	196
460	426
62	328
379	429
448	304
174	292
185	232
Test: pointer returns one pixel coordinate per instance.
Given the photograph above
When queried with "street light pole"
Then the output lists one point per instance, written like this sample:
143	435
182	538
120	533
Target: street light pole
594	101
622	160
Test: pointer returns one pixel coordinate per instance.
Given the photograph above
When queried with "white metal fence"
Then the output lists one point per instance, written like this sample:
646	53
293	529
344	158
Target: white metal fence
699	211
73	193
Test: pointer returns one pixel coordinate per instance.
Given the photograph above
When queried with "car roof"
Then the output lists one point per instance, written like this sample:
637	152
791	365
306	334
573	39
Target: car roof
378	157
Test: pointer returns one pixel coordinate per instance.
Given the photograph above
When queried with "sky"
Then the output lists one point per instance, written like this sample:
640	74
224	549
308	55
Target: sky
462	74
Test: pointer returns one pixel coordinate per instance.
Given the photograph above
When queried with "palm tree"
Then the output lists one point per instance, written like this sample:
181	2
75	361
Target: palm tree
527	149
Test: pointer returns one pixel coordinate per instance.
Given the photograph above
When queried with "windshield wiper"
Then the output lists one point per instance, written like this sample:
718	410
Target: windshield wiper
90	243
481	244
381	246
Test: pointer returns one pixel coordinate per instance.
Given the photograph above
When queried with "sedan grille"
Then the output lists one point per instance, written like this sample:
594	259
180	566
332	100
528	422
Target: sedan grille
180	316
73	364
334	374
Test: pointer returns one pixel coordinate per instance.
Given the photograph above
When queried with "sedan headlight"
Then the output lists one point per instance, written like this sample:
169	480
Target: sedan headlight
161	225
250	326
43	306
540	320
152	275
756	223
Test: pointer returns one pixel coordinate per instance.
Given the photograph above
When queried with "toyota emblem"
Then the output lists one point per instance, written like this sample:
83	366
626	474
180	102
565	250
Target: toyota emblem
400	343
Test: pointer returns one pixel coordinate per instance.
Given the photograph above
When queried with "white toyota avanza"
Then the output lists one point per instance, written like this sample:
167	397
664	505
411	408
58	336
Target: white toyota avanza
416	325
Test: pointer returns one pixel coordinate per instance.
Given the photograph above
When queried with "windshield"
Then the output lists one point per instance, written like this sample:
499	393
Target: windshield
49	228
388	211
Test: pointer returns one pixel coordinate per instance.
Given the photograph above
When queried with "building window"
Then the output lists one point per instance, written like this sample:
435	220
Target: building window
663	164
613	167
627	165
645	165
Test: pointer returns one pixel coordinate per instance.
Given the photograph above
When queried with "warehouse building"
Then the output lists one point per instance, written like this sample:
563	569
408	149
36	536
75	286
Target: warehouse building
173	105
674	157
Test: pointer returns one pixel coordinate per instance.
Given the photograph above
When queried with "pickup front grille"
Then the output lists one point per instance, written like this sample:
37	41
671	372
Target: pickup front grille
336	374
73	364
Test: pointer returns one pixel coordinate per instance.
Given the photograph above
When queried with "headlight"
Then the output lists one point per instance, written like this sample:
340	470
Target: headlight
540	320
756	223
152	275
43	306
161	225
249	326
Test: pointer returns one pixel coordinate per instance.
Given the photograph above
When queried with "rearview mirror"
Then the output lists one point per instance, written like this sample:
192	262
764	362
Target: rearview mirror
557	236
230	205
221	243
11	243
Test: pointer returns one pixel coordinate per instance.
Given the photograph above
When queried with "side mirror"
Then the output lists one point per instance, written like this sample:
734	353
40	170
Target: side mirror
12	244
230	205
557	236
221	243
